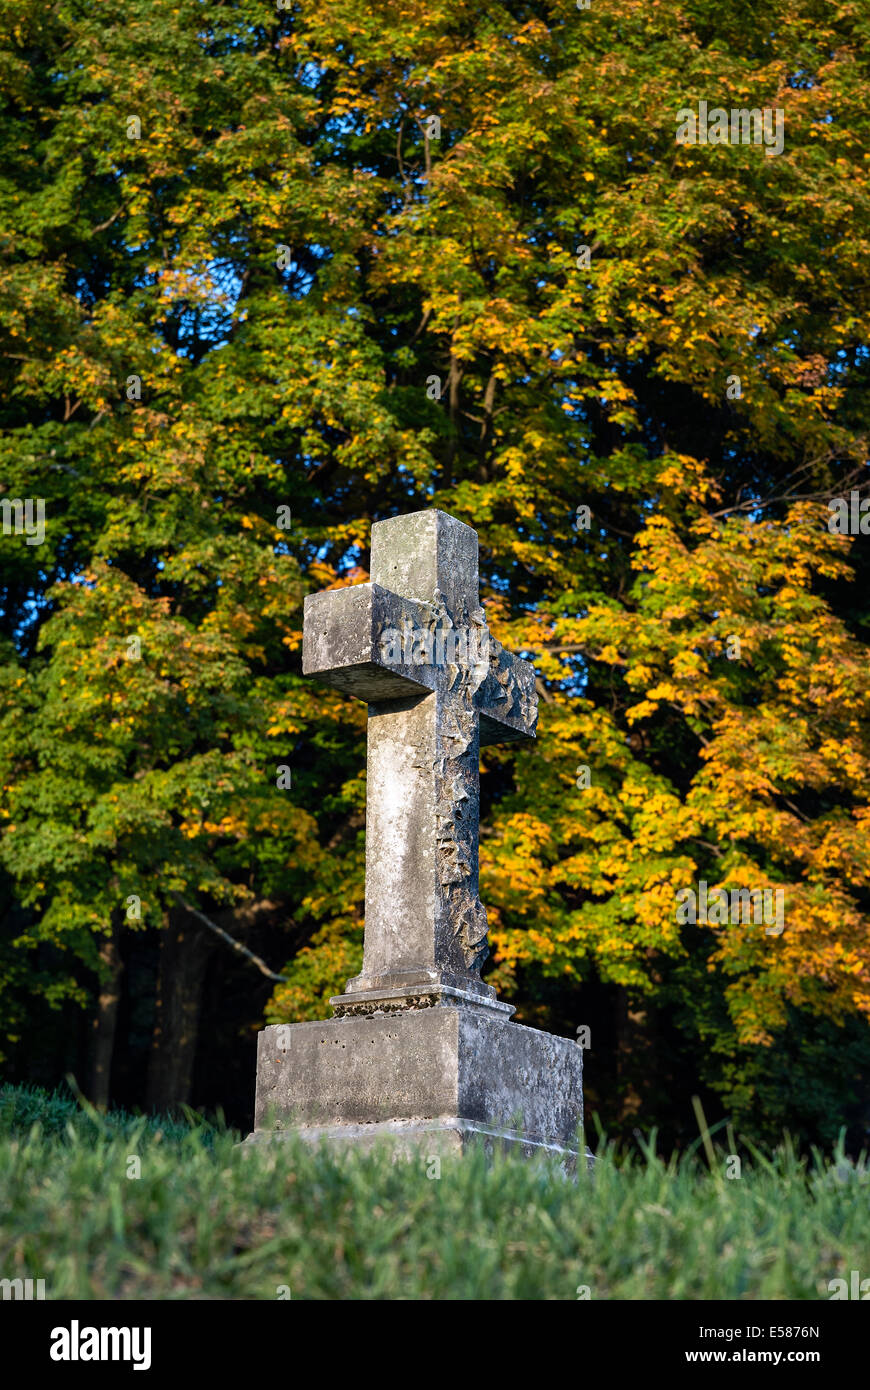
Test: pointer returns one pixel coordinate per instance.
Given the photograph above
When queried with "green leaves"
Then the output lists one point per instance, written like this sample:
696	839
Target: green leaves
303	385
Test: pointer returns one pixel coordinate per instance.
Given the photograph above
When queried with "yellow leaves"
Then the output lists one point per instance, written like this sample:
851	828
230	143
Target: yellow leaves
645	709
284	721
616	390
611	655
609	867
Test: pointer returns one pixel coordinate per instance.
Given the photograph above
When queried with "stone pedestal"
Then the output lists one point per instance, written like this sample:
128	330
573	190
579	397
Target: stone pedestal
437	1078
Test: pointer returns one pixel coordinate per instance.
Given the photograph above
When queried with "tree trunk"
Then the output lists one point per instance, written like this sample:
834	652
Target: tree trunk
106	1020
185	949
636	1057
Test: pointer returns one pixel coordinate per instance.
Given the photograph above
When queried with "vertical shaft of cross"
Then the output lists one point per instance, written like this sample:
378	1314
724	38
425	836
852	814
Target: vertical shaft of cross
400	841
424	923
415	555
414	644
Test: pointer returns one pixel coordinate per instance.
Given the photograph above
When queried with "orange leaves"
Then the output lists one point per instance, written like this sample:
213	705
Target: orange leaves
726	641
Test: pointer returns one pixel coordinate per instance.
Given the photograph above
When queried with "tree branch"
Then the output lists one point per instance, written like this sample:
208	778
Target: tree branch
108	222
543	692
230	940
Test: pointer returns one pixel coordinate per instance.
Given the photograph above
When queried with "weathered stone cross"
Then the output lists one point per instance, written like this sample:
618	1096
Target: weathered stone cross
414	644
422	1052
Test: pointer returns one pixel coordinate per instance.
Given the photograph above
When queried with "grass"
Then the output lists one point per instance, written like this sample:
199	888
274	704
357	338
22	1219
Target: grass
206	1221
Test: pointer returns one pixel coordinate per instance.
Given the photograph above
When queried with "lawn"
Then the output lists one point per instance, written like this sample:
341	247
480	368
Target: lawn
119	1206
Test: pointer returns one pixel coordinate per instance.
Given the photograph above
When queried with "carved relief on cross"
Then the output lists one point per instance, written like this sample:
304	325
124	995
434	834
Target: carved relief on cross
414	644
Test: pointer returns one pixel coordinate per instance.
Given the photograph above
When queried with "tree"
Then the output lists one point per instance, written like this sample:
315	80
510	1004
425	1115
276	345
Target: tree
234	312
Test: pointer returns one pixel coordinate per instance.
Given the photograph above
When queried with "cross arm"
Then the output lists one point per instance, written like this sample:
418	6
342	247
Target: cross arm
342	642
507	701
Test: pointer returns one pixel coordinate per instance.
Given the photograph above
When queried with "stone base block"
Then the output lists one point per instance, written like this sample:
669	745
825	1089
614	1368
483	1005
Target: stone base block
441	1075
412	1138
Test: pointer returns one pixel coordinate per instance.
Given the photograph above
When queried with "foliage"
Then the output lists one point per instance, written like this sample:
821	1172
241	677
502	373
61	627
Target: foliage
303	385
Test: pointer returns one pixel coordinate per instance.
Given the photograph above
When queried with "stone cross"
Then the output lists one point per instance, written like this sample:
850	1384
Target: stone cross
414	644
421	1051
